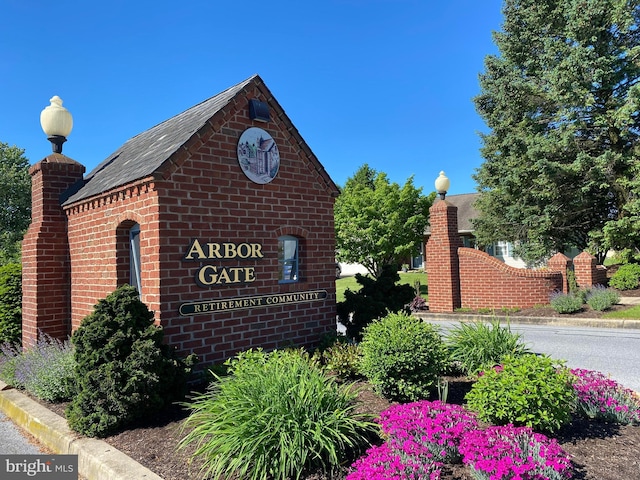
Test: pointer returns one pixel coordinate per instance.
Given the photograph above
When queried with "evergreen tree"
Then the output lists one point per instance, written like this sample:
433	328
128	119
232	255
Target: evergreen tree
561	101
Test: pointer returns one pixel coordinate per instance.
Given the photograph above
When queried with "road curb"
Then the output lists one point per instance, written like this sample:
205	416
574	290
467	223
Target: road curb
514	319
97	460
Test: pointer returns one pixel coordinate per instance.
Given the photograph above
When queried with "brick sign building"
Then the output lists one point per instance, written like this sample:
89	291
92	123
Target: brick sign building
221	216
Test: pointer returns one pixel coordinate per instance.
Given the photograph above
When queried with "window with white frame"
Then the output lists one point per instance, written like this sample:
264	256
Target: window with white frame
287	259
502	249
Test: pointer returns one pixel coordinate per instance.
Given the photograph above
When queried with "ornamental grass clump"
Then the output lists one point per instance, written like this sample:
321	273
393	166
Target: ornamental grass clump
530	390
402	357
601	398
477	345
385	462
601	298
275	416
508	452
435	428
566	303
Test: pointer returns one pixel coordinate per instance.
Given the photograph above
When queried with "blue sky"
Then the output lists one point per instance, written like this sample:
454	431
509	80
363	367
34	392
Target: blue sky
384	82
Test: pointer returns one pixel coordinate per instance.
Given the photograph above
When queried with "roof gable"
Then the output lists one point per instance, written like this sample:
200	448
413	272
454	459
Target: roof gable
144	154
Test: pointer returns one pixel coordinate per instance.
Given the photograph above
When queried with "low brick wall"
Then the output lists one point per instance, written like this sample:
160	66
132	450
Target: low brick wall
486	282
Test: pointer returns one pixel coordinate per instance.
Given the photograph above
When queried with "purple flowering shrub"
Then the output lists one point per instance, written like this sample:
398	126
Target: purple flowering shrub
508	452
386	462
45	369
602	398
434	427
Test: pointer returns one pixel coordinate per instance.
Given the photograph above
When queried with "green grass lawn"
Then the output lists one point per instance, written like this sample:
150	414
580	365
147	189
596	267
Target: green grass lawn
631	313
342	284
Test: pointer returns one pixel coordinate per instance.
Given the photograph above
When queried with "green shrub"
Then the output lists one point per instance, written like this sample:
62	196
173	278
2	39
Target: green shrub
402	356
600	298
123	370
626	278
275	416
376	298
529	390
11	303
477	345
563	303
343	360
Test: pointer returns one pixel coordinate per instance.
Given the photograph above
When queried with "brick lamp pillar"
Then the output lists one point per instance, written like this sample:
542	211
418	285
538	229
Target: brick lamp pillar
46	270
443	272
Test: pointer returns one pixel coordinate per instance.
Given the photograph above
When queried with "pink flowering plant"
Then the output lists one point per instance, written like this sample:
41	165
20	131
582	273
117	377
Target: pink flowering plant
425	427
386	462
602	398
514	453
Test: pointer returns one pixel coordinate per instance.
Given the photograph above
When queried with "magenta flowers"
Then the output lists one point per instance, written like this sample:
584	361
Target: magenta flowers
514	453
600	397
423	436
434	427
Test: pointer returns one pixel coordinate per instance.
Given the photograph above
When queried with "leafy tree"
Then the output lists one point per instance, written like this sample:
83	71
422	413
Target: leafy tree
15	201
562	103
378	222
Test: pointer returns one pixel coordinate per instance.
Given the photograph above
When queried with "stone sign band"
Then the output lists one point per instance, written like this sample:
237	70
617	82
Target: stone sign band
240	303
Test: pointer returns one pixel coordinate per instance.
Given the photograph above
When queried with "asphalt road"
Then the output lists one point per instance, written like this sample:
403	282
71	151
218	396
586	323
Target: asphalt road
612	351
13	441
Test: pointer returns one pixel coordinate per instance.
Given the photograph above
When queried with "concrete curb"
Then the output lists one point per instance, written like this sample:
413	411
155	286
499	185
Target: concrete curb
97	460
514	319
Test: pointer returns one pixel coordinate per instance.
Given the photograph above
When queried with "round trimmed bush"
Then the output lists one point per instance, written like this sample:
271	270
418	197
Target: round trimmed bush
626	278
402	357
529	390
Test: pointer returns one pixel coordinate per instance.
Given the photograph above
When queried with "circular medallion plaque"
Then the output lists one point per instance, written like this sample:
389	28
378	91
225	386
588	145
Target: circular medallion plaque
258	155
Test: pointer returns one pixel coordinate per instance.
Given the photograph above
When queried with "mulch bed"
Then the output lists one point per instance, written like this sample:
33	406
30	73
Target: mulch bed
600	451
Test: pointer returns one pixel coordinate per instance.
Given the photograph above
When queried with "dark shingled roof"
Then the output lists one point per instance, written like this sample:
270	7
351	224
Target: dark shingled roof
466	211
143	154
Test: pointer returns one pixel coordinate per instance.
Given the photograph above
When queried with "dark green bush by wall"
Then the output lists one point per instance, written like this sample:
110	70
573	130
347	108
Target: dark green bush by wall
124	372
11	303
375	299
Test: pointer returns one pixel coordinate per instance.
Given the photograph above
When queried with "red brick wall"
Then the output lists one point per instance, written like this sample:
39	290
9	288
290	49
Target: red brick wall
486	282
204	194
45	254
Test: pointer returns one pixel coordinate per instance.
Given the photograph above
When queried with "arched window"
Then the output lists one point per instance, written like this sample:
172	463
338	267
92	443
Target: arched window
134	257
288	259
128	254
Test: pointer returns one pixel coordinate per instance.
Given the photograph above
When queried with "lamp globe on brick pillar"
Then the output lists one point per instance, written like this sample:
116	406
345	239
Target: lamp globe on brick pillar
57	123
442	185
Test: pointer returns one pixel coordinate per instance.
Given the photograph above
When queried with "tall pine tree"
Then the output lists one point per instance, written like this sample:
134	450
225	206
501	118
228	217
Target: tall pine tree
562	101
